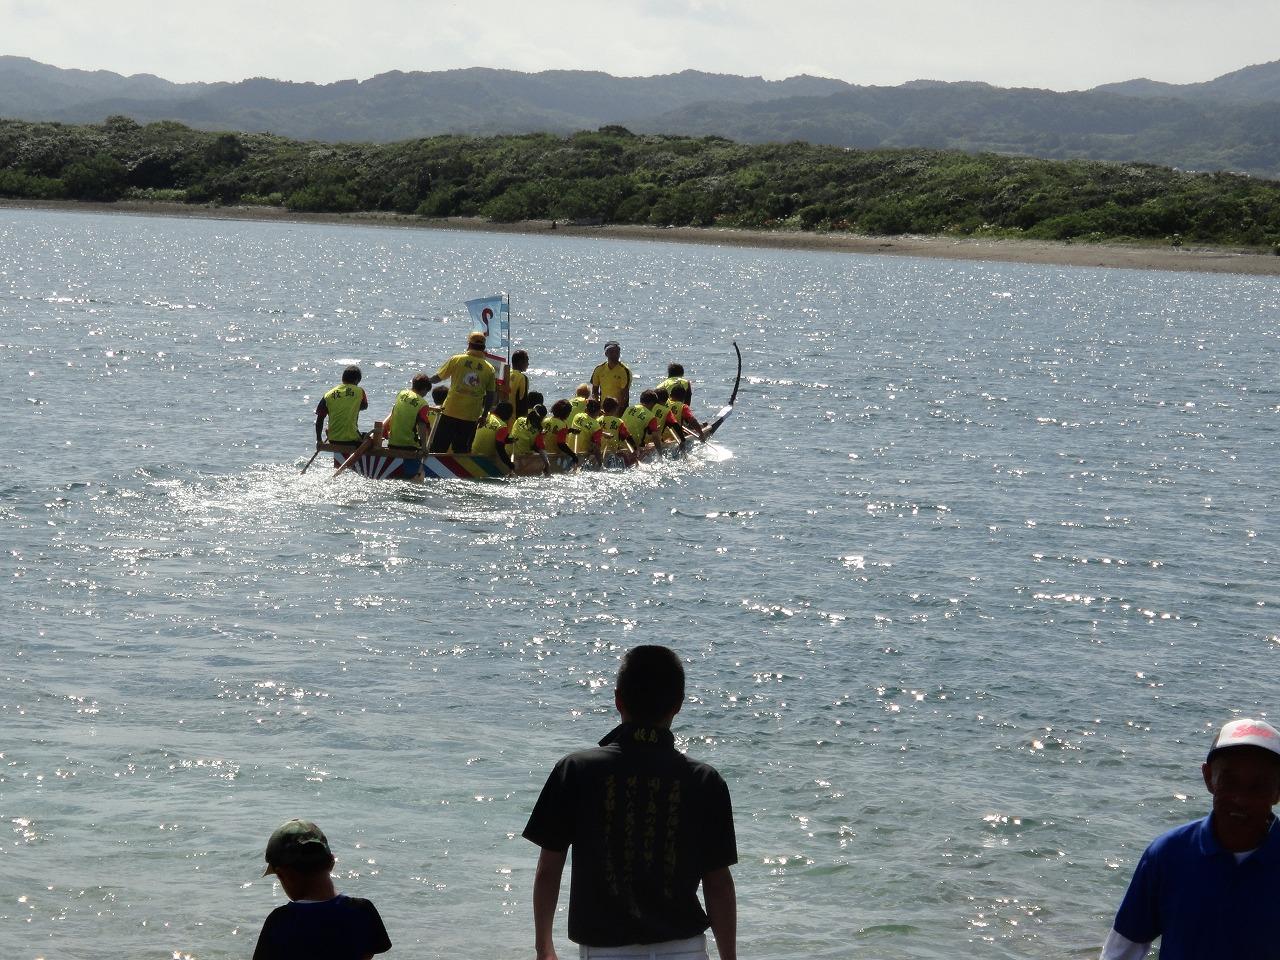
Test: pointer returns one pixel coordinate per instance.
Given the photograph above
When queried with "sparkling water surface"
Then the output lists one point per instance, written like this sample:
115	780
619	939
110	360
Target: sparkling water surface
982	559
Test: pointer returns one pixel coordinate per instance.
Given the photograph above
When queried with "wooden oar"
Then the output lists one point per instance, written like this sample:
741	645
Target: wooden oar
357	453
312	460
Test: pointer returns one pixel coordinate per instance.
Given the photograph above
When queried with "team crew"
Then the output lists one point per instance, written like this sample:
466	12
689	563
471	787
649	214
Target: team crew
597	422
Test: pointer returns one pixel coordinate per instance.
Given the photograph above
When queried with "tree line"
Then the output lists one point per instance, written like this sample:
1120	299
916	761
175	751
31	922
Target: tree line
614	176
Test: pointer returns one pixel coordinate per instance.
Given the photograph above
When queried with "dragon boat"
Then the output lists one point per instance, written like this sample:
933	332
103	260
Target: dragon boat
374	459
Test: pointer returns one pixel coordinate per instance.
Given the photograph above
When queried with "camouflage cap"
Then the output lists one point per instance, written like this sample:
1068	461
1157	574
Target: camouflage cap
297	843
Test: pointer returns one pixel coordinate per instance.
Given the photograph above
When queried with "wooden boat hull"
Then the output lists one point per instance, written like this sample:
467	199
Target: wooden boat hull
415	466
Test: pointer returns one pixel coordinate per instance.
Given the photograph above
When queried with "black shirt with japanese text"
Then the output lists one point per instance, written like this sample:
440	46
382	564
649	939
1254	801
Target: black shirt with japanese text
646	823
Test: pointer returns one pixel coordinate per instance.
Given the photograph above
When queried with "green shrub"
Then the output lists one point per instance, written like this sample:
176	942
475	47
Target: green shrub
101	177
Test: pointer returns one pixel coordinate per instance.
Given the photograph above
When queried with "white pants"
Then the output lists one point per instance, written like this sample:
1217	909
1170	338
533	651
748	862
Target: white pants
695	948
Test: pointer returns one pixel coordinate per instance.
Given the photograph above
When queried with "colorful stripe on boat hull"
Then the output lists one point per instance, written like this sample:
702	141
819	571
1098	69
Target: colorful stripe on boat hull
381	465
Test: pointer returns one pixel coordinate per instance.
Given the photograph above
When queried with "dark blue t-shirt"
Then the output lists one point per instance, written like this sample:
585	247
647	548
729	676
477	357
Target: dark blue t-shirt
344	928
1203	905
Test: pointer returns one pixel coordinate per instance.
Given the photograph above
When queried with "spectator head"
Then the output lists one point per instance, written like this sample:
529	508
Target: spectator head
650	688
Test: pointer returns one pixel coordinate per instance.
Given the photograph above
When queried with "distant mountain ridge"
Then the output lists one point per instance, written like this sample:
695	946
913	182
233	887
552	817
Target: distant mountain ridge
1232	122
1259	83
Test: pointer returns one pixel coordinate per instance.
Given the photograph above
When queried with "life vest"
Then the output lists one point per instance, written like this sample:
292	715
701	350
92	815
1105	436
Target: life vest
343	405
671	383
676	409
587	427
613	425
637	418
555	435
404	419
485	443
524	438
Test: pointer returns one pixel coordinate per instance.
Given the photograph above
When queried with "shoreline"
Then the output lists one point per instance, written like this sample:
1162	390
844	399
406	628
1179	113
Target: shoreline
1038	252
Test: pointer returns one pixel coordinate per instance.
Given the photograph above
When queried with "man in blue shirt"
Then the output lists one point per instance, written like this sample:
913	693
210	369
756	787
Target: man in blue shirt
1209	889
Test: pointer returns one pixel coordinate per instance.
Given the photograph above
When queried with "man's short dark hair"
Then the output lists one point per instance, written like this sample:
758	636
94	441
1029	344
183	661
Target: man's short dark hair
675	369
439	394
651	683
352	374
420	383
520	360
534	398
504	410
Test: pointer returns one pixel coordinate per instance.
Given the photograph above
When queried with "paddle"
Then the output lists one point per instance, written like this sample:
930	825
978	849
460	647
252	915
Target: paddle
357	453
312	460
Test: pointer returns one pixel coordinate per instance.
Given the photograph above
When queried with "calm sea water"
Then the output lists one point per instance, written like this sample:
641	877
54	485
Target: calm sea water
988	552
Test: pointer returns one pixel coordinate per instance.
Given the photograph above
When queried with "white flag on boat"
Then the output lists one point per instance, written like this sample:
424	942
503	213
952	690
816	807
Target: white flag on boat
492	315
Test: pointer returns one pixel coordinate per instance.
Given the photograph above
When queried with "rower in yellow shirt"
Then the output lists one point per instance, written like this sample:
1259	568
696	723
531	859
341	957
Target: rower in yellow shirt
679	406
555	433
643	423
527	440
492	438
615	438
613	377
408	424
578	403
586	438
342	406
666	410
676	377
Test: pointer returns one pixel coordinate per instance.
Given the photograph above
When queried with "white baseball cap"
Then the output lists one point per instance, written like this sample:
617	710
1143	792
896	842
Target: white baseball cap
1246	733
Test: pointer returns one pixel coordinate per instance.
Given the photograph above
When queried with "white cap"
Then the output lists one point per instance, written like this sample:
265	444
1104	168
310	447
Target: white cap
1247	733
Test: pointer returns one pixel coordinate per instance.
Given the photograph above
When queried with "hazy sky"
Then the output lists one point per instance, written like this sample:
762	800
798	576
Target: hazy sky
1060	45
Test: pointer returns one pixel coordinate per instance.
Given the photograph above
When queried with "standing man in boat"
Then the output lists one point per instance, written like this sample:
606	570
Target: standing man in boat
647	825
409	422
342	405
613	377
472	389
518	383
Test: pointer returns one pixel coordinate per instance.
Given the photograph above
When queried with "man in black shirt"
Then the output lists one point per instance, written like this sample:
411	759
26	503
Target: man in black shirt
646	824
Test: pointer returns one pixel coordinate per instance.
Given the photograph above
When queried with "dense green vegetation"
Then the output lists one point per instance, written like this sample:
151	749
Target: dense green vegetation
613	176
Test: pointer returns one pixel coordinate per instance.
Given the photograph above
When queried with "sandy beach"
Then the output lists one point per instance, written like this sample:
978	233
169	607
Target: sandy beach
1125	256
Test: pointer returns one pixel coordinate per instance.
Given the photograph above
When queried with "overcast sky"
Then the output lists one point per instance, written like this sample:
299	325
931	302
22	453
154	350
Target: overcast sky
1061	45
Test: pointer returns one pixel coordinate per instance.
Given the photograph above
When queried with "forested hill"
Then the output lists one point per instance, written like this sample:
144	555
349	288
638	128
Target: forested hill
615	176
1230	123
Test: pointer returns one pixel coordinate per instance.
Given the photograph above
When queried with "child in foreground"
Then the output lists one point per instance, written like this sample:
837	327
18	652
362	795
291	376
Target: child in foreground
318	923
